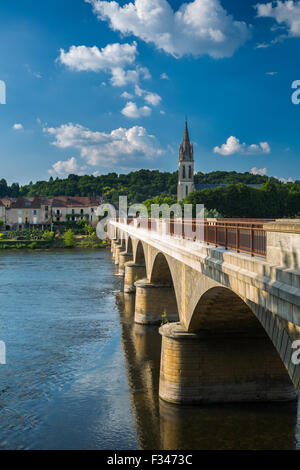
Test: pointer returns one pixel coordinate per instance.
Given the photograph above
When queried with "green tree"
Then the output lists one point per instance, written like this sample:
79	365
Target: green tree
69	239
48	236
158	200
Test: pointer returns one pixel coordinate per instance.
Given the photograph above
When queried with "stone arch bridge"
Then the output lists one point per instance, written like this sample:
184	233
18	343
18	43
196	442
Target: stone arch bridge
232	320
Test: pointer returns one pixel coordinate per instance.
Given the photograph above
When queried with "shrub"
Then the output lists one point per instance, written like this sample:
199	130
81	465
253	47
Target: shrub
69	239
212	214
32	246
164	317
48	236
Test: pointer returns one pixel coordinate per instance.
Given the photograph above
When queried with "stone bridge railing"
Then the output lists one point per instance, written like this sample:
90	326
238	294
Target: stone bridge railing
276	240
241	235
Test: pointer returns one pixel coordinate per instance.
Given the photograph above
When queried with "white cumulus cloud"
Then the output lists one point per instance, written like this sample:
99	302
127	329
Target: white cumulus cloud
126	95
153	98
259	171
286	13
17	127
132	111
118	147
121	77
113	58
150	97
285	180
233	146
67	167
82	58
197	28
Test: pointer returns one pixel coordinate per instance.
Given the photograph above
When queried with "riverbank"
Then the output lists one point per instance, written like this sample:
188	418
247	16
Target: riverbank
79	235
82	242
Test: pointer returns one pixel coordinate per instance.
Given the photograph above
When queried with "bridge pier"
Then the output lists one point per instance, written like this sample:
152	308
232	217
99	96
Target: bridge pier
118	250
114	248
216	367
124	257
112	245
133	272
129	303
152	301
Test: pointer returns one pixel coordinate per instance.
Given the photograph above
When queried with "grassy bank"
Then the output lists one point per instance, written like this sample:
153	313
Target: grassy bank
82	242
84	237
21	244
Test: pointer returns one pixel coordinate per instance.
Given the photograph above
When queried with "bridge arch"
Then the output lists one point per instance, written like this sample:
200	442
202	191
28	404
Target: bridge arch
223	314
155	296
160	271
121	237
221	308
140	254
129	247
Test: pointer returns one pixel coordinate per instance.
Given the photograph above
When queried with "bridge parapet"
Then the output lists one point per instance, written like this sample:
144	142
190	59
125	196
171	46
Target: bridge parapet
283	243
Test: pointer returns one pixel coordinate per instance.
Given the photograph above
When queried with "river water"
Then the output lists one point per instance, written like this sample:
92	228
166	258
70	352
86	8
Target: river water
81	375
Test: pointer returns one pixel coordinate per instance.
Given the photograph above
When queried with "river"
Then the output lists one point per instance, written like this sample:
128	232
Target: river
81	375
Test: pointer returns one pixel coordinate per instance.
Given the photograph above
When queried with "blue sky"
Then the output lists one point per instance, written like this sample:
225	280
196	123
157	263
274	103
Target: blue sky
99	86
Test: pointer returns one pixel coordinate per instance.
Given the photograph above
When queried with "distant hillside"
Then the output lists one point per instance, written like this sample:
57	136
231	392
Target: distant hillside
229	177
138	185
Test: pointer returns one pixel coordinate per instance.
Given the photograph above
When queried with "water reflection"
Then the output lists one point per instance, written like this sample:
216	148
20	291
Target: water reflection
141	345
251	426
165	426
64	385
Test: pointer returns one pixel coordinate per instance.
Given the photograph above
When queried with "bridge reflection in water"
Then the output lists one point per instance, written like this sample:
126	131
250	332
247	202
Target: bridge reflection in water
164	426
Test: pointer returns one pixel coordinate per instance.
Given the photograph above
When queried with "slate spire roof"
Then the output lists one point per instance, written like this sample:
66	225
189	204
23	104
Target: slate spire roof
186	137
186	151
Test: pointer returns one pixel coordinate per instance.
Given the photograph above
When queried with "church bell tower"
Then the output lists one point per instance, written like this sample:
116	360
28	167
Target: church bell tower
186	167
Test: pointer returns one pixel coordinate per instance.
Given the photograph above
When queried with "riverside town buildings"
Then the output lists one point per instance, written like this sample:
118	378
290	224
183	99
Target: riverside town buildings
31	212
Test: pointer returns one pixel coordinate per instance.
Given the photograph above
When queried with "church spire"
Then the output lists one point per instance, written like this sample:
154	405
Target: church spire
186	151
186	166
186	137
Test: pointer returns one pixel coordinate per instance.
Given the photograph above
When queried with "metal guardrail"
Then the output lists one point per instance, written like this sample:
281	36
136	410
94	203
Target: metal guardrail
241	235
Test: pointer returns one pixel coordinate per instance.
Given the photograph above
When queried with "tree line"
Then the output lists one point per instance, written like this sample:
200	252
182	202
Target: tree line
137	185
273	199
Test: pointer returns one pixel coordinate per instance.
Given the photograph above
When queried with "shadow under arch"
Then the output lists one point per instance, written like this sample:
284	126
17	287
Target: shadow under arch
221	309
161	275
240	341
122	241
129	248
140	257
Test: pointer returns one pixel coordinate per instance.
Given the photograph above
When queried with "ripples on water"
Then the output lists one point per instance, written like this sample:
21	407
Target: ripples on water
64	385
82	375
